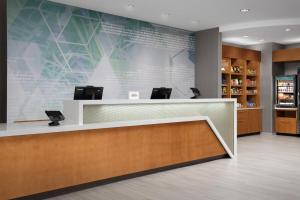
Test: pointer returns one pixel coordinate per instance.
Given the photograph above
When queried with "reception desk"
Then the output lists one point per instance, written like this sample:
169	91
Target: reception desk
101	140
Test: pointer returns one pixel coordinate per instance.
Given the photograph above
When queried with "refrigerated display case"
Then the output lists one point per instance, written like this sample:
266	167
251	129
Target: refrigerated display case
286	91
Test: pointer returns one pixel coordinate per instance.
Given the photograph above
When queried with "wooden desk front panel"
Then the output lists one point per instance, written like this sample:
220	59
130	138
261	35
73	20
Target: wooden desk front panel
45	162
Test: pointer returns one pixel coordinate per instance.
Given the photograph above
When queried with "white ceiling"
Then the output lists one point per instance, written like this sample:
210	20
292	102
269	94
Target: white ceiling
195	15
260	35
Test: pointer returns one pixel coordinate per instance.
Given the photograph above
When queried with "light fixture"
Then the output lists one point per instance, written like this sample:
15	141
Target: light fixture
261	40
130	7
245	10
245	36
288	29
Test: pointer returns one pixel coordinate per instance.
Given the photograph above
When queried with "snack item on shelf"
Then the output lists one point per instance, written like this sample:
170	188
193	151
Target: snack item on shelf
236	69
252	92
236	91
251	71
236	82
251	104
251	83
224	80
224	91
225	65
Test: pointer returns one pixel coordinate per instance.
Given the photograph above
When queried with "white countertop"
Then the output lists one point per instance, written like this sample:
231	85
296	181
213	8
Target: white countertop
149	101
291	109
249	108
8	130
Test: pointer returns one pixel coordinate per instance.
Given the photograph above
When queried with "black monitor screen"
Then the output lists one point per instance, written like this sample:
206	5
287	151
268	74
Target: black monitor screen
55	115
88	93
161	93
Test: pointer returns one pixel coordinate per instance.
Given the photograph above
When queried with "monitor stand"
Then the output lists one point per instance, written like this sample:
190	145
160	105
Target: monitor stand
54	123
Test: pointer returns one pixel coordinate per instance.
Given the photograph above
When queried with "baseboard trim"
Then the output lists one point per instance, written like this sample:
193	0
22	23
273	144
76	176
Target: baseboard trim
71	189
288	134
249	134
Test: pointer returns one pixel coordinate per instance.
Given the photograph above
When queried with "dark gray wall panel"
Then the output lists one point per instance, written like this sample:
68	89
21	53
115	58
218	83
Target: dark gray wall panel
3	62
208	62
289	46
291	68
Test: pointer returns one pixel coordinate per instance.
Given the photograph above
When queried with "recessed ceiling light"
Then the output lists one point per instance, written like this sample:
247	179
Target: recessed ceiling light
262	40
165	15
288	29
245	36
130	7
245	10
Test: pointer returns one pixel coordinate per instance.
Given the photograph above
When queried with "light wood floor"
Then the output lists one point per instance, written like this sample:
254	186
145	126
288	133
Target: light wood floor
267	167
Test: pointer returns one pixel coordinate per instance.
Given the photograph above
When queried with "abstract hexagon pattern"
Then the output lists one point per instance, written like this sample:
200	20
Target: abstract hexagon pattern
54	47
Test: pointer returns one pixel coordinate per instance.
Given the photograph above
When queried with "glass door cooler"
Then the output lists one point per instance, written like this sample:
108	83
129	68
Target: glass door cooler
286	91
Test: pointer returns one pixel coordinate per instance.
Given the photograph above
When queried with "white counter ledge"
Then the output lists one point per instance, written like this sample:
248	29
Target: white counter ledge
21	129
288	109
259	108
150	101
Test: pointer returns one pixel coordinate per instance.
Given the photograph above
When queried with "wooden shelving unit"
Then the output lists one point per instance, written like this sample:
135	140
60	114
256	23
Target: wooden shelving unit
241	80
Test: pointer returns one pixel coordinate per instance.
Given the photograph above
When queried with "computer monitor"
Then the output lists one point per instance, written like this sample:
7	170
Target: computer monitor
161	93
88	93
196	92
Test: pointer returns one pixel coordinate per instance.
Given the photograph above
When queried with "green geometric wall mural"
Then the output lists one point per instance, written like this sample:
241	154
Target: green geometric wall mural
53	47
